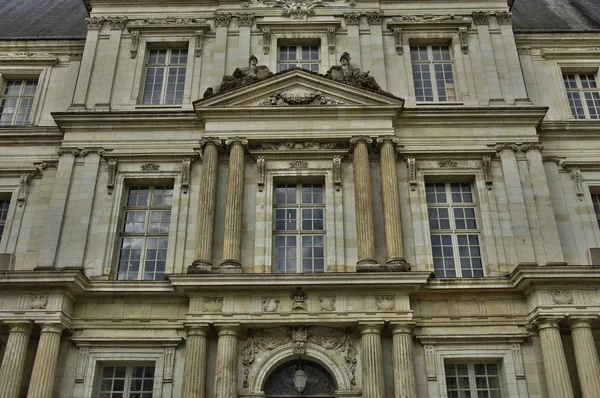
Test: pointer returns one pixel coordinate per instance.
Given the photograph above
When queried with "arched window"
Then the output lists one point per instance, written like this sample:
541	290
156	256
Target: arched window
319	382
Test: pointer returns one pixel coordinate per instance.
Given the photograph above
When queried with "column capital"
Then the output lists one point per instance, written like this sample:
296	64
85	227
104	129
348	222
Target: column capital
480	17
197	330
210	141
352	18
402	328
231	329
384	139
360	138
548	323
236	141
582	322
370	328
20	327
52	328
507	145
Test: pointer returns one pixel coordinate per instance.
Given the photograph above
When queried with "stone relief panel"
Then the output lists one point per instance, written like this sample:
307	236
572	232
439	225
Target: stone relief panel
337	341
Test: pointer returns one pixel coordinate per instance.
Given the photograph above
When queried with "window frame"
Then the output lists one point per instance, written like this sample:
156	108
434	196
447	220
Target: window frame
453	231
299	232
127	379
299	51
581	92
431	62
39	73
19	100
594	191
166	67
473	389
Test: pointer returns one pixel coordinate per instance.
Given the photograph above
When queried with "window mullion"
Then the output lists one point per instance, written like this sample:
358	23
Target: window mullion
472	381
163	95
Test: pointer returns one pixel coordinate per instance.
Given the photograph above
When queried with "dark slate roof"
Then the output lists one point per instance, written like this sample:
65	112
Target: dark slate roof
556	15
48	19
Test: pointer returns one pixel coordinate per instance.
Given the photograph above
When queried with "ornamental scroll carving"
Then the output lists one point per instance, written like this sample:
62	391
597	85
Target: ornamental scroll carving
298	9
282	99
186	171
167	21
429	18
337	172
337	341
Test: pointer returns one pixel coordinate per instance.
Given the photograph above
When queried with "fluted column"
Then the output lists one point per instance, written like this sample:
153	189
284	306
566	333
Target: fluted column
555	363
206	206
194	370
363	199
586	357
372	364
226	368
46	359
391	203
232	242
11	372
405	382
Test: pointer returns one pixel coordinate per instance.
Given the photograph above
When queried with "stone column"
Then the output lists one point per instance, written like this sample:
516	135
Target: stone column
194	370
391	204
555	363
87	62
586	356
363	200
405	382
226	367
375	19
46	359
372	365
206	206
481	20
234	207
13	363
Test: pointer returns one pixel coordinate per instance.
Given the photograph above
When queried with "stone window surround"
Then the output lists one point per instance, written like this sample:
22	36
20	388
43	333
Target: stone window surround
41	74
458	61
571	66
130	173
280	169
480	191
9	188
155	41
92	358
590	185
507	355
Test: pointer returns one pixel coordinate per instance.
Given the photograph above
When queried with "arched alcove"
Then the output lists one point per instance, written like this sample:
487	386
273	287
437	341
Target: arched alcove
319	383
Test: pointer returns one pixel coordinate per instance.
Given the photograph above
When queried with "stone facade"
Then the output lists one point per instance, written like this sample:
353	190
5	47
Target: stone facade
380	319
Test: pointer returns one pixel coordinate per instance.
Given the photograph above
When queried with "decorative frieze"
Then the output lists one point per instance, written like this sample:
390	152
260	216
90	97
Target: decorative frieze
464	39
222	19
245	18
374	17
298	146
117	23
504	17
298	164
270	304
260	168
296	9
316	98
94	23
448	163
166	21
481	17
38	301
113	164
411	163
266	36
398	40
561	297
135	42
352	18
487	171
186	171
337	172
212	304
150	167
199	43
427	18
385	303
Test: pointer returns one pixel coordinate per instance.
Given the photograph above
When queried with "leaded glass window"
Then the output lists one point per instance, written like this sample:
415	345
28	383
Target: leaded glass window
433	76
16	102
165	76
299	228
126	381
145	233
454	230
583	95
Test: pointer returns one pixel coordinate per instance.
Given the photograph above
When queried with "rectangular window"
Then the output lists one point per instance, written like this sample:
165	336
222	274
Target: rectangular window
596	203
583	95
4	204
165	76
126	381
303	56
299	228
432	73
145	233
472	381
454	233
16	102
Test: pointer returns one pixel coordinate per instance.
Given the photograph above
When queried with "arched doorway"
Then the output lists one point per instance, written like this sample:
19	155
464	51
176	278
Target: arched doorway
319	382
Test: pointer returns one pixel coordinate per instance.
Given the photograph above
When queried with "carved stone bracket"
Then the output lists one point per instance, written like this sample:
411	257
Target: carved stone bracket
481	17
337	172
260	167
186	171
331	39
504	17
411	163
222	19
374	17
113	165
430	363
266	36
199	43
94	23
398	40
245	18
464	39
352	18
24	183
575	174
82	359
487	171
135	42
117	23
169	362
515	349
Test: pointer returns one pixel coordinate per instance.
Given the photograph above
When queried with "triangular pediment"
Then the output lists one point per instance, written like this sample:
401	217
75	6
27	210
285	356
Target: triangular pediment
298	88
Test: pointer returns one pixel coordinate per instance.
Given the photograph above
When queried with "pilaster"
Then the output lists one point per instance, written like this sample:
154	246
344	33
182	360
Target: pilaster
87	62
481	20
352	20
46	359
109	63
245	22
375	19
222	21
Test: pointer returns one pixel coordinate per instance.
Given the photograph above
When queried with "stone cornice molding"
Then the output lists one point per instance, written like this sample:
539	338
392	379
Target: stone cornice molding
506	337
245	18
570	52
28	58
476	116
481	17
222	19
167	25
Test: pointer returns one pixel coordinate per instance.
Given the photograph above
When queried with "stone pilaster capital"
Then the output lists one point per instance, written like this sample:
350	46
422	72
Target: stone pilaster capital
370	328
581	322
388	139
99	150
374	17
222	19
94	23
532	145
504	17
72	151
55	328
245	18
197	330
20	327
524	50
228	329
352	18
402	328
236	141
507	145
481	17
210	141
117	23
548	323
360	138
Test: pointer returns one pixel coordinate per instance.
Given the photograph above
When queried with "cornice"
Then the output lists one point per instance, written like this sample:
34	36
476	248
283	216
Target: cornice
30	135
569	129
472	115
557	40
526	276
155	119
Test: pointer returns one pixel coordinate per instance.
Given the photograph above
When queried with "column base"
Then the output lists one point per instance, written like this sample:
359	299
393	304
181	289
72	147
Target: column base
200	267
397	265
389	267
229	267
